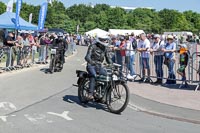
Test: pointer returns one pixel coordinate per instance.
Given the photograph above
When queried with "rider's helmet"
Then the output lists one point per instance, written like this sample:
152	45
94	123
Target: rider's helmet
60	35
103	40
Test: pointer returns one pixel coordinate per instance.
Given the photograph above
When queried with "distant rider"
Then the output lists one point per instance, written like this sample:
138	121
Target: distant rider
60	43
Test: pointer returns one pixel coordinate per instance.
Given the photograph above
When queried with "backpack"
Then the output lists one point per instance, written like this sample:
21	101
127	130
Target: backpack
134	44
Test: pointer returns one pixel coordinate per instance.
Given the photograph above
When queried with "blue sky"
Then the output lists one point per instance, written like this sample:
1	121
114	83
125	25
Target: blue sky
181	5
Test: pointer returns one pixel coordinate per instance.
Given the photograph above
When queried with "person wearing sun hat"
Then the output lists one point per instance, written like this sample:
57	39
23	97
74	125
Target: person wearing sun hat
169	61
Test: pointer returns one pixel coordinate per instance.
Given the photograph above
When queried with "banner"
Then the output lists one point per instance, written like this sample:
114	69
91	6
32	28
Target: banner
42	15
18	8
9	7
30	17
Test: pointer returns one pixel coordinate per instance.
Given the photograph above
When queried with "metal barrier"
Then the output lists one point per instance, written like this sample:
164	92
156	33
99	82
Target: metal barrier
23	56
192	69
195	69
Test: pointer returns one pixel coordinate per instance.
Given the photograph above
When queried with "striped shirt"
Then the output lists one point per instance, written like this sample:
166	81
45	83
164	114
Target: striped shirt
158	47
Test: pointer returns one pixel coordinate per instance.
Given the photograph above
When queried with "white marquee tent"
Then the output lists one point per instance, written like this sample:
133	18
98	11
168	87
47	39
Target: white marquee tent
123	32
97	31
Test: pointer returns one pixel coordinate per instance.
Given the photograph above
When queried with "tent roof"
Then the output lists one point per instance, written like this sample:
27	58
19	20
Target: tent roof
123	32
97	31
6	21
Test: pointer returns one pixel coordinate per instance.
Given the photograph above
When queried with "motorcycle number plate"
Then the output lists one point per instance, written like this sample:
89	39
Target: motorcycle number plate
53	51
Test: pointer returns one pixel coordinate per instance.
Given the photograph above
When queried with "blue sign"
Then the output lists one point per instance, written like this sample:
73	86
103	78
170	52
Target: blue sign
42	16
18	8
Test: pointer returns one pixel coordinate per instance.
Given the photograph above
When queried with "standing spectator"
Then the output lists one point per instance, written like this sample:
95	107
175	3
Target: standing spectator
19	52
121	57
143	48
78	38
72	43
130	58
67	43
42	50
26	49
47	42
169	53
10	42
183	61
156	49
34	48
114	44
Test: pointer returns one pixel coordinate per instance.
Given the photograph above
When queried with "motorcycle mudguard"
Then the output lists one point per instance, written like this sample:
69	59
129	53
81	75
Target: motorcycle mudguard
120	81
81	74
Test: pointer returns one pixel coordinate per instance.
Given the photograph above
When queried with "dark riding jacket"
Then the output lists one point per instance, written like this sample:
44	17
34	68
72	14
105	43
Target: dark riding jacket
96	53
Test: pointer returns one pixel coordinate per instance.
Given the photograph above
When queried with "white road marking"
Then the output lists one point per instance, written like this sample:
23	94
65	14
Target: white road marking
49	121
7	106
63	115
3	118
134	107
35	118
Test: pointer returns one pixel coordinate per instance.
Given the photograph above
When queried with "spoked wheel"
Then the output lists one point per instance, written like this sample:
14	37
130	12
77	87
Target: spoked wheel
83	91
117	98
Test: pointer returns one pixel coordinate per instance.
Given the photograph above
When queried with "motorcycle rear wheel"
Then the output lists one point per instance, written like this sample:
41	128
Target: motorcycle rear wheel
83	91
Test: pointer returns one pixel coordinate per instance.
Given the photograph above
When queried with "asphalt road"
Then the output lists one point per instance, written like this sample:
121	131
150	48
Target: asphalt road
32	101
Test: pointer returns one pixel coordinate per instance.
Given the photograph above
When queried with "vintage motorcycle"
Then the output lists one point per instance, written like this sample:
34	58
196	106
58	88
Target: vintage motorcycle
56	64
110	89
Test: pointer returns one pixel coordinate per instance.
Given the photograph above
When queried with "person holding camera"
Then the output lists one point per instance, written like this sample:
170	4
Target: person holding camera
11	52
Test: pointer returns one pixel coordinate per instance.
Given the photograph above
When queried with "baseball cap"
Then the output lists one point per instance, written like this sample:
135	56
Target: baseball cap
156	36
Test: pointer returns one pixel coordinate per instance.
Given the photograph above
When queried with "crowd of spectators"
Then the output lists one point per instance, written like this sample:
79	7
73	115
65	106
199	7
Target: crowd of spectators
163	48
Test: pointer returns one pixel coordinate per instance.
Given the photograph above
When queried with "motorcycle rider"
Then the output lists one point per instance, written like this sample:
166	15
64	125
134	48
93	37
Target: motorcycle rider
60	43
95	57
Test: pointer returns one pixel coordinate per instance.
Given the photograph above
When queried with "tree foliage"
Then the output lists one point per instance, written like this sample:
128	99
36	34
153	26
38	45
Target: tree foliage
103	16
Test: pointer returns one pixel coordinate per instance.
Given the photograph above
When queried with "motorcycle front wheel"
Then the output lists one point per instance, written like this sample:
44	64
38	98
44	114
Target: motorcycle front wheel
52	64
117	98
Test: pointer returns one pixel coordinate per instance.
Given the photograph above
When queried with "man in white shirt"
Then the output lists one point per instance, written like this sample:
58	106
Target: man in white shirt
130	58
143	48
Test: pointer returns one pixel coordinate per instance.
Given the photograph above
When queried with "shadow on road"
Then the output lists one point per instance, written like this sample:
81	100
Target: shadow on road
177	87
45	70
189	87
74	99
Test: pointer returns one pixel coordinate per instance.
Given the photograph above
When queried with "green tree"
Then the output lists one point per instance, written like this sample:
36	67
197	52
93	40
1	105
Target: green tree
172	20
80	12
100	7
2	7
193	19
145	19
116	18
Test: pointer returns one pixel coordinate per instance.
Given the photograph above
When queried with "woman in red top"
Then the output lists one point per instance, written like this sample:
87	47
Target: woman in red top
122	47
